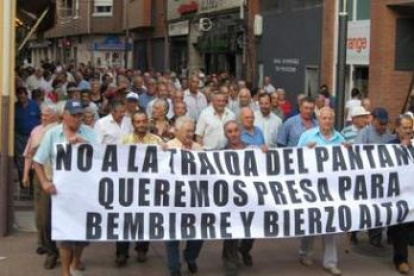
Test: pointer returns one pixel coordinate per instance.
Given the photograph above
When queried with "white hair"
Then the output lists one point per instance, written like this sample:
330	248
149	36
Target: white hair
183	120
47	107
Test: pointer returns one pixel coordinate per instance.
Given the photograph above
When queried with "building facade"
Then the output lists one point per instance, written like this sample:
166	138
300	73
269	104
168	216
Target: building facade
380	59
86	31
212	35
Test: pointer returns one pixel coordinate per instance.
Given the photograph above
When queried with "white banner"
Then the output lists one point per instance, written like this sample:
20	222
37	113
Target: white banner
358	42
122	193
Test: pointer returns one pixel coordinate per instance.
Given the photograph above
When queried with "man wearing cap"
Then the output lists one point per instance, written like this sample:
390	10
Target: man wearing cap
358	116
74	132
131	105
375	133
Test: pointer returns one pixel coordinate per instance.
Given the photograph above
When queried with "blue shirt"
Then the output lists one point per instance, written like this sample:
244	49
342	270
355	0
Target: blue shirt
291	131
46	151
84	85
315	136
144	100
26	117
368	135
255	139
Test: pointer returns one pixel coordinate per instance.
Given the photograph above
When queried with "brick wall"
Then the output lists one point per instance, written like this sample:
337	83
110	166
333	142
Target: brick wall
387	87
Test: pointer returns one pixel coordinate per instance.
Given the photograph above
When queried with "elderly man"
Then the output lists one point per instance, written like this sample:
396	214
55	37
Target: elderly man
296	125
209	130
41	199
184	133
321	136
70	131
232	247
376	133
244	100
358	116
162	94
250	134
267	121
195	100
113	126
399	234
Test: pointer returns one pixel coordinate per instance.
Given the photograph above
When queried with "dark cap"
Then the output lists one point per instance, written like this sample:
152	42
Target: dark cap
73	107
381	114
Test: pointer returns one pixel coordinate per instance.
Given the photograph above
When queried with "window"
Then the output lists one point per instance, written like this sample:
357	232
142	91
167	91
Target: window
357	9
68	9
103	7
363	10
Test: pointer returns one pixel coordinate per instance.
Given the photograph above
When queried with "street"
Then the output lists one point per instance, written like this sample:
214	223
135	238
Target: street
270	257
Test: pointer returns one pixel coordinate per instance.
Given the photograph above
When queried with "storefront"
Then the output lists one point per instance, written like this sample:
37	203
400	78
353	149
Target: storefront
178	33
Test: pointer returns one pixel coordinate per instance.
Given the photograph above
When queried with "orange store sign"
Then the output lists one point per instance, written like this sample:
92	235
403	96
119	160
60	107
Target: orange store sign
358	43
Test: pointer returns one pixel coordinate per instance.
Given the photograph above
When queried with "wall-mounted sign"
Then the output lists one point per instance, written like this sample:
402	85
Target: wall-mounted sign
218	5
286	65
358	43
188	8
179	28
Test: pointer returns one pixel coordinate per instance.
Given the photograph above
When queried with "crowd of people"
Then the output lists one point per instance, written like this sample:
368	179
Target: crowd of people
59	103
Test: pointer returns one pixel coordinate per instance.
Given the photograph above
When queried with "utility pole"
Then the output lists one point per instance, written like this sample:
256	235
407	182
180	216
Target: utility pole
341	65
126	23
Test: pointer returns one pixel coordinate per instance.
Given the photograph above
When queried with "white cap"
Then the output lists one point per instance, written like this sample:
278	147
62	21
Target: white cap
132	96
358	111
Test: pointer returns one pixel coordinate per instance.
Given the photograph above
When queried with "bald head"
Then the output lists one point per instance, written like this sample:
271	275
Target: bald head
244	97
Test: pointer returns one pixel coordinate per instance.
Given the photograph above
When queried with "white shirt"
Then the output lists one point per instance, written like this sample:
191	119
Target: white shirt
269	88
270	125
349	105
195	104
110	132
170	113
210	128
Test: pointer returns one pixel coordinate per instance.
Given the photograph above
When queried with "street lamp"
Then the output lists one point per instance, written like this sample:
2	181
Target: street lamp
341	65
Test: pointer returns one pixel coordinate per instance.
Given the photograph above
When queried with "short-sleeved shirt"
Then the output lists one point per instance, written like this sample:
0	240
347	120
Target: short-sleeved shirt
291	131
210	128
368	135
350	133
45	153
253	139
315	136
109	131
148	139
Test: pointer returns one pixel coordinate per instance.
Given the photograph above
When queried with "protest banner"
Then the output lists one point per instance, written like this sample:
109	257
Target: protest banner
133	193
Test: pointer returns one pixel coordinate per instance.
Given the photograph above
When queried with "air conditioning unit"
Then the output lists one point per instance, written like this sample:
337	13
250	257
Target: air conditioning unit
258	25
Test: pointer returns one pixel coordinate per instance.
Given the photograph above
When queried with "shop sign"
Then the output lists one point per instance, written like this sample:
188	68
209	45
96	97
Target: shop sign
39	44
111	43
286	65
179	28
188	8
358	43
218	5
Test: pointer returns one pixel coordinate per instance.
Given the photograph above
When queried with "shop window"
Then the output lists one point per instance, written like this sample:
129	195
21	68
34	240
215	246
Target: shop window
68	9
103	7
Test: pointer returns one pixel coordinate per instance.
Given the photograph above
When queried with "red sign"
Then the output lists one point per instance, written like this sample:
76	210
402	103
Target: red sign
188	8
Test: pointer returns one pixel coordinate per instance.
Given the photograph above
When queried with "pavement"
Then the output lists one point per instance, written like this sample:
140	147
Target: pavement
270	257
